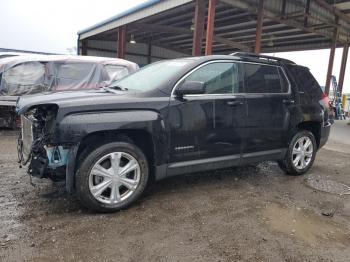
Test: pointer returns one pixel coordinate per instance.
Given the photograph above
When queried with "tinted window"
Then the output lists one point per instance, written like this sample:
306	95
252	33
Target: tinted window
263	79
219	78
306	81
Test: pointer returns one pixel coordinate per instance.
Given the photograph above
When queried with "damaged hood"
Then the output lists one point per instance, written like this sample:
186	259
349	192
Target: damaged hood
72	99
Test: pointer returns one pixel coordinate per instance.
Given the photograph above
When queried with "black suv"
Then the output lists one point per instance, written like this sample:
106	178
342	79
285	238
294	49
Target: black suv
174	117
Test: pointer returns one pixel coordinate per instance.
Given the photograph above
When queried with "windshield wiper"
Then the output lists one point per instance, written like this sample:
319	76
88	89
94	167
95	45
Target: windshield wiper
114	89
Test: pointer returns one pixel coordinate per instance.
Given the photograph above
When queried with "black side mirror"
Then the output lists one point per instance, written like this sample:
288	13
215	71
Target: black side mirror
190	88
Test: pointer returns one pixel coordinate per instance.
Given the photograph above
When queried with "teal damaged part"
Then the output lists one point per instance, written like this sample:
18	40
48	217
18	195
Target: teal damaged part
57	156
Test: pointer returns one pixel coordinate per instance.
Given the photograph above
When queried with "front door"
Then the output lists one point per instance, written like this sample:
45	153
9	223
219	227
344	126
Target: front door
208	126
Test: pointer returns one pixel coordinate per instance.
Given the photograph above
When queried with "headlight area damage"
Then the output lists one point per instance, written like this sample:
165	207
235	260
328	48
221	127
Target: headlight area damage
35	147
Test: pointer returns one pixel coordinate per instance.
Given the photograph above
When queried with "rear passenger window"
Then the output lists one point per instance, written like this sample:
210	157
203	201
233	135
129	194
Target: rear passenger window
264	79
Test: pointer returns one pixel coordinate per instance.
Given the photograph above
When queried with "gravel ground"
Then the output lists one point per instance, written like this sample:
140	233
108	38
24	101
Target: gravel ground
240	214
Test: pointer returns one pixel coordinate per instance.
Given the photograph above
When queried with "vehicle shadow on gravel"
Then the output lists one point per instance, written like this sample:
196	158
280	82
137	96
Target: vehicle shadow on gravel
59	201
237	178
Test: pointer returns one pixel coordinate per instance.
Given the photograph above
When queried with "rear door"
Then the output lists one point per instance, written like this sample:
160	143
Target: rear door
268	96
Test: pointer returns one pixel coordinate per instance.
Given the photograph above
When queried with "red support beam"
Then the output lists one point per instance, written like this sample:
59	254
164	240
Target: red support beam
198	33
344	59
307	12
121	42
283	9
259	26
331	59
210	28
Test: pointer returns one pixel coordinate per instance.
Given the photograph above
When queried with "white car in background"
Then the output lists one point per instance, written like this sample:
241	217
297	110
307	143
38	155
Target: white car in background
31	74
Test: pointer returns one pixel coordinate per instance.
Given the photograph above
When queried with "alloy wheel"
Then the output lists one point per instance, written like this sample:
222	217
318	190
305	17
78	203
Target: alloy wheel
302	152
114	177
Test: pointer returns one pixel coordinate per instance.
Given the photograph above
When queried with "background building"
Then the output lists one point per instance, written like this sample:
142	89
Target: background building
174	28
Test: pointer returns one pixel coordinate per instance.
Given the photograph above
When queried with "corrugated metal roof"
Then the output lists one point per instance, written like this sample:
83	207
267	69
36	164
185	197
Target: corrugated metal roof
146	9
169	24
125	13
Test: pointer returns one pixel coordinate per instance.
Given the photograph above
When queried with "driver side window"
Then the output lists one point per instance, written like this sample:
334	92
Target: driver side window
218	78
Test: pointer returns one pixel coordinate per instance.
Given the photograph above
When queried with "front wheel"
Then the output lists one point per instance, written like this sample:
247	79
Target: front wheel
300	155
112	177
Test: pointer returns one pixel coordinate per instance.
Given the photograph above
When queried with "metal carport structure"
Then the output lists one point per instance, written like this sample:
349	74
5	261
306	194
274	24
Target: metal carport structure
174	28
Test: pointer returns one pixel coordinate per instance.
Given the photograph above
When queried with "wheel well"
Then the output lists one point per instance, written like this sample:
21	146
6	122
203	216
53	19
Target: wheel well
141	138
314	127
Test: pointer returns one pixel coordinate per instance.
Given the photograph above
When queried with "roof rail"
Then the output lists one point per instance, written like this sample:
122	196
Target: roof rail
265	57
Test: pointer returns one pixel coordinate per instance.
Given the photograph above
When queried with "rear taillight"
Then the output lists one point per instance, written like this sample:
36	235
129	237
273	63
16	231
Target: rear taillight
324	100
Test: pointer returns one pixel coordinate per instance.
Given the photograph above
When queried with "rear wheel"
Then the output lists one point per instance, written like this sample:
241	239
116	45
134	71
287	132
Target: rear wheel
112	177
300	155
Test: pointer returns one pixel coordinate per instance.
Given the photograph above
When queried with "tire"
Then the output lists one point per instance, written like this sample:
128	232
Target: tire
290	164
103	182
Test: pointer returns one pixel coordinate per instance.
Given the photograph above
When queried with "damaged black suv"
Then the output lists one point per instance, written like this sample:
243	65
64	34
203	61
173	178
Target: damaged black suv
174	117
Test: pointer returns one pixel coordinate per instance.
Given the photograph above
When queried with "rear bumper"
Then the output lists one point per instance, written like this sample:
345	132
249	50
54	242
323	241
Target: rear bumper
325	130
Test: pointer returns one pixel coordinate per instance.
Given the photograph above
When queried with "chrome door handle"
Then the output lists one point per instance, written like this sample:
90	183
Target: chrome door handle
234	103
288	102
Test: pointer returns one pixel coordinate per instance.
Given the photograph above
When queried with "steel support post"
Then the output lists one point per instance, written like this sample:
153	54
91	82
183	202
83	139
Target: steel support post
331	59
306	12
210	28
83	47
283	8
344	59
259	26
198	32
121	42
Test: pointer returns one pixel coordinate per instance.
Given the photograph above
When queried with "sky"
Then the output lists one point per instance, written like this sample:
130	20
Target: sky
317	61
52	26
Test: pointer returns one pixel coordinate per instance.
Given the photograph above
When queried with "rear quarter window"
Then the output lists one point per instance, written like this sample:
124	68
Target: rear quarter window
307	84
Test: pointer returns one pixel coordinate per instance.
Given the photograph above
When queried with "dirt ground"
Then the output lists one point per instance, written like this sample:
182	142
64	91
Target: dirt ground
241	214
